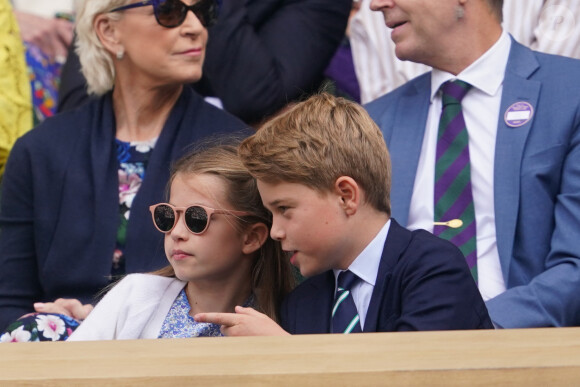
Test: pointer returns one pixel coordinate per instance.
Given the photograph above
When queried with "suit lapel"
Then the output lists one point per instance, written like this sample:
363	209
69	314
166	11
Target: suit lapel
405	144
509	149
397	240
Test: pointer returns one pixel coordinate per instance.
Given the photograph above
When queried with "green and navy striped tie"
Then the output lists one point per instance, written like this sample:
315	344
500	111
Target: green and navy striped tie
345	318
453	192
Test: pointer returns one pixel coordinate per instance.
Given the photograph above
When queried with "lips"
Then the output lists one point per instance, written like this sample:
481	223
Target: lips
292	255
179	255
191	51
394	25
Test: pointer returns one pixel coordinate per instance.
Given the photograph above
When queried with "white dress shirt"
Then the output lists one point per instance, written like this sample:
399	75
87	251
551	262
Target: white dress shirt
366	267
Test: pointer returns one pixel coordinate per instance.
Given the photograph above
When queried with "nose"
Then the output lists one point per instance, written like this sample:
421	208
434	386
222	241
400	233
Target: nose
377	5
276	232
180	231
192	23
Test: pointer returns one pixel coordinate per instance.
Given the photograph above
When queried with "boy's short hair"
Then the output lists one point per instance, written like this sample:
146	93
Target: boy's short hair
317	141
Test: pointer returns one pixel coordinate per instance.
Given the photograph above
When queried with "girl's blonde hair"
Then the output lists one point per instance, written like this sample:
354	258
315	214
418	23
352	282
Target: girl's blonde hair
272	277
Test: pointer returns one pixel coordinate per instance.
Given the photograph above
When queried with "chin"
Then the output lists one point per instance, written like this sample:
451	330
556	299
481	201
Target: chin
309	271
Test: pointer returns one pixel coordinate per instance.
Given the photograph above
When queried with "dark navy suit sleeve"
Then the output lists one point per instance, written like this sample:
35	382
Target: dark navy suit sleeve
271	52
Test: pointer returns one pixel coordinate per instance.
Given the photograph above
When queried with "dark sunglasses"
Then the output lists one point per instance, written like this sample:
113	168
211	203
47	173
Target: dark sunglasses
196	217
172	13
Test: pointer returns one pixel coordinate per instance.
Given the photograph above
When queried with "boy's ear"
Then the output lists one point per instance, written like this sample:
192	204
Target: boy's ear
107	34
255	237
349	193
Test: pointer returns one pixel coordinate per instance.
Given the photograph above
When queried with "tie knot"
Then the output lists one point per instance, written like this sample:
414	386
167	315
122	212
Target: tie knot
454	91
346	280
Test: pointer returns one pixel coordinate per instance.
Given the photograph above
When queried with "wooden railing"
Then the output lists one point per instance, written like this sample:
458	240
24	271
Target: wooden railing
531	357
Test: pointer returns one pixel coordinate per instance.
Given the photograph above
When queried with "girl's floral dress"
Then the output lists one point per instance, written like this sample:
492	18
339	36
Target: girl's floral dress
179	324
133	158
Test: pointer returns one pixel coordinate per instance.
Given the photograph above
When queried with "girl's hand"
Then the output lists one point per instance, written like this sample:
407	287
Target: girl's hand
245	322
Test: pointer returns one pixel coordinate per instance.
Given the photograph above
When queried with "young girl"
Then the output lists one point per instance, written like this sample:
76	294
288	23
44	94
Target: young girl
220	254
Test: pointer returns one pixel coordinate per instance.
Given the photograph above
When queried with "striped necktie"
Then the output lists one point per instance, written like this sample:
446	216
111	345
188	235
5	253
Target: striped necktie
345	318
453	194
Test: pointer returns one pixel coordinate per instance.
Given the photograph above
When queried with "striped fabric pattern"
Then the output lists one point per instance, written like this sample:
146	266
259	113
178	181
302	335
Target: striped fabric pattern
345	318
453	192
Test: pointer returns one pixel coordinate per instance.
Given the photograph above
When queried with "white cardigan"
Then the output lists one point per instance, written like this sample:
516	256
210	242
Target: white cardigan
134	309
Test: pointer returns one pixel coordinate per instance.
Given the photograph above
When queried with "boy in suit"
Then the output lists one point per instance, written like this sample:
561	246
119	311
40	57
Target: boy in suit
323	170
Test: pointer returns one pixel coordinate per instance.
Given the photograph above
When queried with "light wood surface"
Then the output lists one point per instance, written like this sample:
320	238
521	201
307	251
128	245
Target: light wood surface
531	357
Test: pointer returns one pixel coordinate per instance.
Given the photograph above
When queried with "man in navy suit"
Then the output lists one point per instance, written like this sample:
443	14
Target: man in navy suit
522	116
323	170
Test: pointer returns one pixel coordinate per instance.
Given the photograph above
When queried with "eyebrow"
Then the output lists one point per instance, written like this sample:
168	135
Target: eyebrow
274	203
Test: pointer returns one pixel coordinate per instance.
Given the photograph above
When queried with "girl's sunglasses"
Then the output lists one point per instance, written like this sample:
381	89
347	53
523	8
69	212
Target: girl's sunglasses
172	13
196	217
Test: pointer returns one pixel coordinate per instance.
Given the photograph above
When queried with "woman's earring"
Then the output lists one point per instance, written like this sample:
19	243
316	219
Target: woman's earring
459	12
120	54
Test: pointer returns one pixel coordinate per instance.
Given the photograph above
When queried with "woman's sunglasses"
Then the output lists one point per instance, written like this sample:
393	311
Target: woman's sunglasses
196	217
172	13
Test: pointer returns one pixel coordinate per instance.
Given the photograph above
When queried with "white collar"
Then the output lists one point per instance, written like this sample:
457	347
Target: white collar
366	265
485	74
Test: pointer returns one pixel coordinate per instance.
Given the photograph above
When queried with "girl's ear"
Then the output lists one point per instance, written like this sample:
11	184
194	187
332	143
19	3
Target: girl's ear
108	34
254	237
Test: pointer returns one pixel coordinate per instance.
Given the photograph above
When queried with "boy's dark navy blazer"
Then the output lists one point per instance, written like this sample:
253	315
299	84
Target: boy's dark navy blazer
423	283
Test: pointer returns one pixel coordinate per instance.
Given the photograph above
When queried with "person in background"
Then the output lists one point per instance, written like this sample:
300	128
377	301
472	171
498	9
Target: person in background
261	55
486	152
77	188
15	105
47	31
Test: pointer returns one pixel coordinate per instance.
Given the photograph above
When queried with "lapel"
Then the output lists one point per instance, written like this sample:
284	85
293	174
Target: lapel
397	240
509	148
104	175
405	143
315	304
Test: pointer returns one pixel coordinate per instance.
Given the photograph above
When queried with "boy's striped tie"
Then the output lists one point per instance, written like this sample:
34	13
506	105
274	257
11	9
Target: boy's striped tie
453	194
345	318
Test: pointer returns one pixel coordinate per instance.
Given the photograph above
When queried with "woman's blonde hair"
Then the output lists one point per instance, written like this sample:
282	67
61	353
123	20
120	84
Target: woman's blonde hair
272	277
96	62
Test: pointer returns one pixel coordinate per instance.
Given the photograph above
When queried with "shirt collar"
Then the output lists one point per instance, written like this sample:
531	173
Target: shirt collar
366	265
485	74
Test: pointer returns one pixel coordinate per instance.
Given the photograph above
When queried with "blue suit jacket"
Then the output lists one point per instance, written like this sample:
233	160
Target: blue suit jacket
423	283
536	183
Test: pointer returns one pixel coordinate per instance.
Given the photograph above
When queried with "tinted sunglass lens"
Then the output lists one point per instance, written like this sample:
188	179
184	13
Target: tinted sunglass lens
205	11
164	217
171	13
196	219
